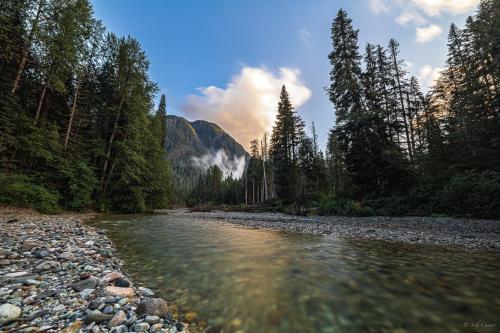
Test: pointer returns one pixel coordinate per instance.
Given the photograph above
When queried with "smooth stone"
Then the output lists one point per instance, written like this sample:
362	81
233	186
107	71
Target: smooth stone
121	282
58	308
85	293
153	307
4	262
8	313
47	293
141	327
31	282
96	317
108	309
90	283
117	291
119	329
40	254
105	253
146	292
156	327
123	301
110	277
15	274
27	246
118	318
67	256
152	319
47	265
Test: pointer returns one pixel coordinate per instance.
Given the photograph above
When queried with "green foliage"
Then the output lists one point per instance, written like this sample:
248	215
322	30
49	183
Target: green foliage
20	190
472	193
329	205
80	186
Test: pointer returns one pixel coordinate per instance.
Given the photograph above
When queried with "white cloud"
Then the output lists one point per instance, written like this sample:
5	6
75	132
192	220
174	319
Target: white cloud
437	7
424	35
412	17
247	107
305	38
427	76
379	6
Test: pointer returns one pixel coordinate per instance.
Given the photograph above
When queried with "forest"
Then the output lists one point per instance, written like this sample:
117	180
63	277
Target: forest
392	150
79	128
77	125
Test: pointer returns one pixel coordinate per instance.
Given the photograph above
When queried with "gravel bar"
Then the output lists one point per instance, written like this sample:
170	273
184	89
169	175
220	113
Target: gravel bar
58	274
447	231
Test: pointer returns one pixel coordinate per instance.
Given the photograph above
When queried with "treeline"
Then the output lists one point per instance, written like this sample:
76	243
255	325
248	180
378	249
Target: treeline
393	150
77	127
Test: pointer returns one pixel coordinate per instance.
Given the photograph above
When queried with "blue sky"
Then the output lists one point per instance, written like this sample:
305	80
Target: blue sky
224	60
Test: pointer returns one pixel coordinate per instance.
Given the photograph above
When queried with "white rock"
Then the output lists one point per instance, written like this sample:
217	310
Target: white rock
9	312
15	274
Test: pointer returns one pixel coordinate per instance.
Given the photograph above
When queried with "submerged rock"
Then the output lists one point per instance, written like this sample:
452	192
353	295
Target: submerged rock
153	307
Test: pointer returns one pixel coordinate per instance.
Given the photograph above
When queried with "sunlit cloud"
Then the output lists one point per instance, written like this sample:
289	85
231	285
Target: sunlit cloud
379	6
246	107
428	75
426	34
437	7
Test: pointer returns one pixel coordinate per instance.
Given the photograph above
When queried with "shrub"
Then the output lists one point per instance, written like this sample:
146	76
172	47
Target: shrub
472	193
20	190
329	205
80	186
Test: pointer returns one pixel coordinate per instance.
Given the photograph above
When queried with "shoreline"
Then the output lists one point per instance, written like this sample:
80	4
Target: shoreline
441	231
58	274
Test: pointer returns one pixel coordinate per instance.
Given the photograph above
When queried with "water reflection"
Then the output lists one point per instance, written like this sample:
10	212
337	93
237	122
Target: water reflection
238	279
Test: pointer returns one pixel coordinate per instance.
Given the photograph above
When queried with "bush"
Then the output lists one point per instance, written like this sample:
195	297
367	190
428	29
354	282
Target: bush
329	205
20	190
473	193
80	186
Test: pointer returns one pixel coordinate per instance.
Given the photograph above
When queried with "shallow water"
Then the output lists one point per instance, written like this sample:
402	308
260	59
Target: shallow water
239	279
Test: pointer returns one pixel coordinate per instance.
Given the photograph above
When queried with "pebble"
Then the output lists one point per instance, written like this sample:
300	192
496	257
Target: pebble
8	313
58	274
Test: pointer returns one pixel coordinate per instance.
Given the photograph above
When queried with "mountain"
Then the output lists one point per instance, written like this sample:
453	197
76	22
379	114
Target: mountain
194	146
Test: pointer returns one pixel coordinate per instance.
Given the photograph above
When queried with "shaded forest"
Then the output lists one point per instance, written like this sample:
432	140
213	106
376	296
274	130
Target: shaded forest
77	125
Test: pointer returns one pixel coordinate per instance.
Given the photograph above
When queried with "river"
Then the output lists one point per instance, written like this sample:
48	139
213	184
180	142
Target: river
238	279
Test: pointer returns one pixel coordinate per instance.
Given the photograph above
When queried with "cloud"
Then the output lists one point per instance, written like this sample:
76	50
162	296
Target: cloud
234	166
305	38
437	7
379	6
427	34
417	12
247	107
427	76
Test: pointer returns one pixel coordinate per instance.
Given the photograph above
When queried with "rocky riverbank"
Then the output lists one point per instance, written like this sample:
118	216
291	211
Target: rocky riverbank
58	274
469	233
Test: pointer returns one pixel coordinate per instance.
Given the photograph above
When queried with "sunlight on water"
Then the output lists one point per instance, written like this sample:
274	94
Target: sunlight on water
236	279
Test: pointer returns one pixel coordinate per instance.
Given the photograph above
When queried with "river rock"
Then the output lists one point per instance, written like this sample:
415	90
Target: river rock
86	293
27	246
90	283
119	329
67	256
47	265
141	327
121	282
73	327
153	307
96	317
4	262
146	292
117	319
152	319
110	277
40	254
8	313
117	291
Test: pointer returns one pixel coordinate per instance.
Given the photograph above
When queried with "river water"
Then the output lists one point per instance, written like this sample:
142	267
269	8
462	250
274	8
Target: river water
237	279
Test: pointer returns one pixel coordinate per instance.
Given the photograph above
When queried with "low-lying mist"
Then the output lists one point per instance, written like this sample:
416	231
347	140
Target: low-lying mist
233	165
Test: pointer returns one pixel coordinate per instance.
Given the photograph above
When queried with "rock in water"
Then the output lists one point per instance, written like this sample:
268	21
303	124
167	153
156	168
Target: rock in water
8	313
153	307
146	292
122	283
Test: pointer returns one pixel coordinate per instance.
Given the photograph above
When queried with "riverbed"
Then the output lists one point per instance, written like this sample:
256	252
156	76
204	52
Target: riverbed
232	278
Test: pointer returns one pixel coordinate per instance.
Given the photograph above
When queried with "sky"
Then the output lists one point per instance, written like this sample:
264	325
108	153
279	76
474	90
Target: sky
225	61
